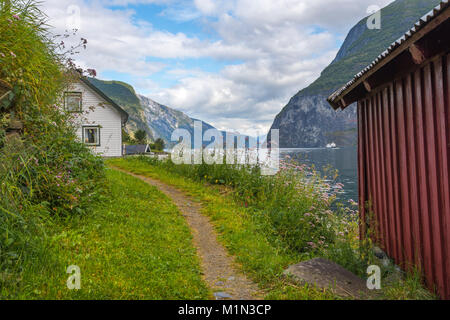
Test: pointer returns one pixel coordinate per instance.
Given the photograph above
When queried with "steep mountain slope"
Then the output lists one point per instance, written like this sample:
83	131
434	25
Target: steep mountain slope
125	96
157	120
164	120
308	120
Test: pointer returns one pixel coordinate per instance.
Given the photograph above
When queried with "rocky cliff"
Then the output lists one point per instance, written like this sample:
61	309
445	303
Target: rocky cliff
308	120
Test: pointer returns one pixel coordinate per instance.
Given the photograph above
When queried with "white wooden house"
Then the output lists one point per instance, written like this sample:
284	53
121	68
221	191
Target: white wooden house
100	119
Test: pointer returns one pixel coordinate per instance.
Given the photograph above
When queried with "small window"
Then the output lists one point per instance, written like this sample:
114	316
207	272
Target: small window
72	101
91	136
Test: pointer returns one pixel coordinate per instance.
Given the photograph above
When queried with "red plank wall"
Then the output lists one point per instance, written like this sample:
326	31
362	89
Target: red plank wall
404	161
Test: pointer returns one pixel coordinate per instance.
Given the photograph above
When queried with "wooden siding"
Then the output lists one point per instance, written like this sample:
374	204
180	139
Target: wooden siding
404	148
97	112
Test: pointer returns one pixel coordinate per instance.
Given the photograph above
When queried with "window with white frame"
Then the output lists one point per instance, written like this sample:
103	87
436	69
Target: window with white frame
91	135
73	101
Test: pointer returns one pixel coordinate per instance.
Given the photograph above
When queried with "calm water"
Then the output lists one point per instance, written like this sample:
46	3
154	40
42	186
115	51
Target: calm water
342	159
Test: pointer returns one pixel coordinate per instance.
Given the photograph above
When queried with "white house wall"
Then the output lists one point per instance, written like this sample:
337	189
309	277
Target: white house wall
97	112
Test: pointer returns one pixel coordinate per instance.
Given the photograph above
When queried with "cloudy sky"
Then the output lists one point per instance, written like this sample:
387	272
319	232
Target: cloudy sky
232	63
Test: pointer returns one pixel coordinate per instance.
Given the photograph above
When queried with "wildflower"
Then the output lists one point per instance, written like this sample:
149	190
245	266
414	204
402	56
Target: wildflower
12	54
312	245
92	72
307	214
15	16
2	54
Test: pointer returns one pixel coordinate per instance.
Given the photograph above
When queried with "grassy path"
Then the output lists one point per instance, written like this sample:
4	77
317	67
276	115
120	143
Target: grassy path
219	268
261	258
136	245
248	237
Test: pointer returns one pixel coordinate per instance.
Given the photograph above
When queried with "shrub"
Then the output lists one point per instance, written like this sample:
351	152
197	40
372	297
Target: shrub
45	171
296	203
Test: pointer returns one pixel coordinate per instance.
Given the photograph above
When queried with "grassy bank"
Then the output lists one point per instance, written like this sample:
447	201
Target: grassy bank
262	256
249	233
135	245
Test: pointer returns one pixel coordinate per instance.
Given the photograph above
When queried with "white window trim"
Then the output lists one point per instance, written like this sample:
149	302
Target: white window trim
84	127
78	93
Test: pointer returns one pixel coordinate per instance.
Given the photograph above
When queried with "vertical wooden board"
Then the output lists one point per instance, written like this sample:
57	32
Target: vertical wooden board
361	169
412	172
395	170
432	164
389	174
447	104
368	197
373	165
403	172
422	177
443	174
446	73
374	153
380	173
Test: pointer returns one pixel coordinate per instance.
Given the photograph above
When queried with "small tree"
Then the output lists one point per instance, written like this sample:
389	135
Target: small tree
126	137
140	136
159	144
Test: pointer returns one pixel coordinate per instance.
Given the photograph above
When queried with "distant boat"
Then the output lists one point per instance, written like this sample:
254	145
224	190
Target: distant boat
331	145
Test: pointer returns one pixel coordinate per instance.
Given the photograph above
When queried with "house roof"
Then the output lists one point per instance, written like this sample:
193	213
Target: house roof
428	22
137	149
106	98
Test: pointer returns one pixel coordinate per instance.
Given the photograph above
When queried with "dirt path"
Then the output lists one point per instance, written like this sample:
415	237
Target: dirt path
219	270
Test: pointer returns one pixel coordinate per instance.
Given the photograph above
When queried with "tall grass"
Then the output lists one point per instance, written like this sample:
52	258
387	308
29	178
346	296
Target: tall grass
298	206
44	171
248	232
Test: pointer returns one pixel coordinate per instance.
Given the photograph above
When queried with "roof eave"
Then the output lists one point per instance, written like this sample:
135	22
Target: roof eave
433	19
124	114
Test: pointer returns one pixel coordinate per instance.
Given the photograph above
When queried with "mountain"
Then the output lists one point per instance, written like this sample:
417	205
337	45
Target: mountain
308	120
157	120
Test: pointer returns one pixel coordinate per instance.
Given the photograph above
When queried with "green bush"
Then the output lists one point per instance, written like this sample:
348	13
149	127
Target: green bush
45	171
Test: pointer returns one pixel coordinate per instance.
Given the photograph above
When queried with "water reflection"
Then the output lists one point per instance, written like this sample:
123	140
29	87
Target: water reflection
342	159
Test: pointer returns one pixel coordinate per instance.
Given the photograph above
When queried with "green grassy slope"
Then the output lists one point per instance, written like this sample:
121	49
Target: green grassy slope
363	45
136	245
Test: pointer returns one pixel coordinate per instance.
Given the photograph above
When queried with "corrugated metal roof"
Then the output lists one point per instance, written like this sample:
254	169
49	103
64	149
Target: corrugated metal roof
137	149
417	26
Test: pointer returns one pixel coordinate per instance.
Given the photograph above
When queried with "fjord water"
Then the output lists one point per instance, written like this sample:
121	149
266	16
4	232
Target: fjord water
343	159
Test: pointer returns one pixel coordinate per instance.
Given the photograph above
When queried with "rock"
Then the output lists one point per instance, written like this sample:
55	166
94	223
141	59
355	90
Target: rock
328	275
222	296
380	254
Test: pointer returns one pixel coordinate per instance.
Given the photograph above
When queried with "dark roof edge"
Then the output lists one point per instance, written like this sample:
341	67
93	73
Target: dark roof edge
108	99
335	98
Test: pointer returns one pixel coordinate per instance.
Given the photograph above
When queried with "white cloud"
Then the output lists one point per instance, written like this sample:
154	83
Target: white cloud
281	45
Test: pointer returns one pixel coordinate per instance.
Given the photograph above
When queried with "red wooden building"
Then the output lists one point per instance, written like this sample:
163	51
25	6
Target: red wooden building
404	147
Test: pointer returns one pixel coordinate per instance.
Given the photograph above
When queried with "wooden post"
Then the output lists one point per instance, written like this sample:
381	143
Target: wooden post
367	86
417	54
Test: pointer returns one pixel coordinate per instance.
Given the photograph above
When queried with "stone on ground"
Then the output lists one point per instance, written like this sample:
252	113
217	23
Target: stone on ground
325	274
